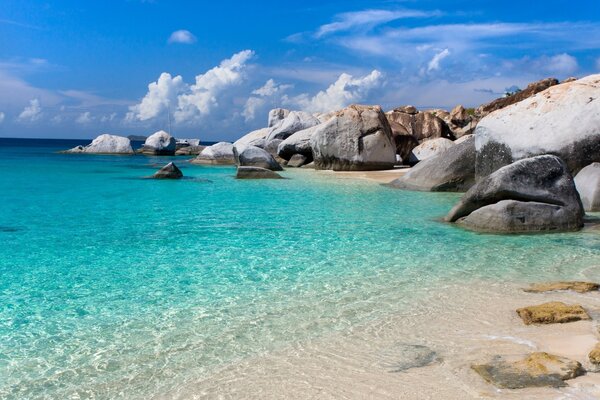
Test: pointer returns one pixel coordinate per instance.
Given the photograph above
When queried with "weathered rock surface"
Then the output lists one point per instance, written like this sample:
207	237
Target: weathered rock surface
530	90
298	143
218	154
404	141
536	370
579	287
429	149
422	126
594	355
254	137
105	144
554	312
587	182
297	161
530	195
189	151
169	171
451	171
186	142
277	115
357	138
256	173
252	156
295	121
563	120
159	143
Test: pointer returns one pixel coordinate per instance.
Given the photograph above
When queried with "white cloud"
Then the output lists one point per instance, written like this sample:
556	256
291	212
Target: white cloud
254	104
434	64
270	88
32	112
182	36
161	94
2	117
84	118
344	91
562	64
108	118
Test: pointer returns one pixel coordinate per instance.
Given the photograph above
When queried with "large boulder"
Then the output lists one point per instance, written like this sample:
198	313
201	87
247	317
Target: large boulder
357	138
423	126
298	143
169	171
160	143
429	149
105	144
218	154
295	121
404	141
276	115
563	120
531	195
256	173
530	90
258	136
297	161
587	182
252	156
450	171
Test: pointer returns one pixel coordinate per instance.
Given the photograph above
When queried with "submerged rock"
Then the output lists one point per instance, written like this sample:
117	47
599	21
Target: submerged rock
256	173
587	182
594	355
159	143
554	312
403	356
105	144
530	195
356	138
218	154
536	370
252	156
169	171
579	287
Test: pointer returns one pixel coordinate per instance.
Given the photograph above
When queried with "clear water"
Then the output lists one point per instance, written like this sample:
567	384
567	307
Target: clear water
114	286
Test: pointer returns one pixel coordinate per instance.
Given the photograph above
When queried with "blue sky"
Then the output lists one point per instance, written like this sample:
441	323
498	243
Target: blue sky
75	69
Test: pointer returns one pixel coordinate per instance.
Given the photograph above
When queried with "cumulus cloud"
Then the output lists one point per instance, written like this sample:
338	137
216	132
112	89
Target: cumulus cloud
256	103
270	88
344	91
32	112
84	118
434	63
108	118
182	36
562	64
161	94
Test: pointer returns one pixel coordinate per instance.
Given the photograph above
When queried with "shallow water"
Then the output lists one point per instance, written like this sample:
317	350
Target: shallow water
115	286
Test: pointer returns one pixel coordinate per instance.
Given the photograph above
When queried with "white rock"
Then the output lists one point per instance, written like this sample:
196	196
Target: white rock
276	115
294	122
218	154
254	137
587	182
298	143
429	149
106	144
252	156
160	143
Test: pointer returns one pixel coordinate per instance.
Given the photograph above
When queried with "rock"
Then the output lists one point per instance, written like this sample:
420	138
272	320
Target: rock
297	161
532	89
169	171
579	287
404	356
324	117
536	370
587	182
277	115
252	156
357	138
180	143
294	122
552	313
310	165
189	151
411	110
422	126
464	138
272	146
570	79
563	120
105	144
218	154
594	355
159	143
256	173
428	149
254	137
530	195
450	171
404	141
459	116
298	143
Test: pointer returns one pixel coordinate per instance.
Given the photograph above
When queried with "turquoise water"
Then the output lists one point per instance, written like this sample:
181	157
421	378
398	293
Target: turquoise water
114	286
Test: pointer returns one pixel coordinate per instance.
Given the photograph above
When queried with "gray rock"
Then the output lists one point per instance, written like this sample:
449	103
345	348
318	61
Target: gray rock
252	156
422	126
298	143
187	142
218	154
160	143
169	171
277	115
255	137
404	141
296	161
294	122
450	171
587	183
357	138
105	144
189	151
428	149
530	90
531	195
256	173
563	120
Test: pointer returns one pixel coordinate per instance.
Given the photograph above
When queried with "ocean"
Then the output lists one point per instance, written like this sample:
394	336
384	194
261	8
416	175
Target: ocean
116	286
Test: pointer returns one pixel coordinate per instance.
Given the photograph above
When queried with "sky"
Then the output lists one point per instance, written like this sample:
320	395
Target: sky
76	69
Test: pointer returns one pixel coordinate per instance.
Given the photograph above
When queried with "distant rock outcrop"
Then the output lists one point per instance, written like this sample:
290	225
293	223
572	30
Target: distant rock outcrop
521	95
159	143
105	144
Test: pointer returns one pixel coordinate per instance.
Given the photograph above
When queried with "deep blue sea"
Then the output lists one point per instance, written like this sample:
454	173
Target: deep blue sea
116	286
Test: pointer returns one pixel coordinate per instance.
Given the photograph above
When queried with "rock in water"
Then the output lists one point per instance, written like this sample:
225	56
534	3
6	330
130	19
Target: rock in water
531	195
105	144
357	138
252	156
429	149
563	120
594	355
450	171
587	182
552	313
169	171
218	154
160	143
579	287
536	370
256	173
